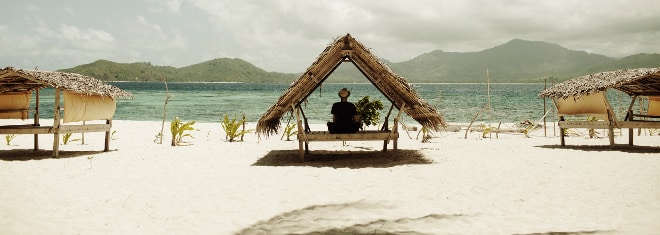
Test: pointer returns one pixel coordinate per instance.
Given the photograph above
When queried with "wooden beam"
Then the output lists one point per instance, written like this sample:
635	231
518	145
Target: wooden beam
107	135
25	129
639	124
561	131
84	128
56	124
584	124
358	136
630	117
395	129
301	133
36	119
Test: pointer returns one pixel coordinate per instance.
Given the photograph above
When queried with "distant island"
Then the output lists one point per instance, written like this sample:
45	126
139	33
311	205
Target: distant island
517	61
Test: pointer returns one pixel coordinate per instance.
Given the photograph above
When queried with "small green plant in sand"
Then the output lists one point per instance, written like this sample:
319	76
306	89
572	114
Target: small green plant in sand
289	131
486	130
368	111
66	138
231	128
526	127
653	132
178	129
158	137
426	136
9	138
571	132
592	132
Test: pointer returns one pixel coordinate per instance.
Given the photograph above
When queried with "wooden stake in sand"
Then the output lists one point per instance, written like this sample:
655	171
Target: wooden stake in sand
475	117
167	99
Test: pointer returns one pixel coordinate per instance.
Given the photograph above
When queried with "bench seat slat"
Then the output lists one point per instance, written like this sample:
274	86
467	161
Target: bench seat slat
363	135
25	129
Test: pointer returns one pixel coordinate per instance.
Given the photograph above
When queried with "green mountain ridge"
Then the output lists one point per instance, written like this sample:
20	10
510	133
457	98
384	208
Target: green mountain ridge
515	61
216	70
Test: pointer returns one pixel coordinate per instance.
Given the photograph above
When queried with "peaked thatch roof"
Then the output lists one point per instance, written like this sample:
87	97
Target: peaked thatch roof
347	49
642	81
20	80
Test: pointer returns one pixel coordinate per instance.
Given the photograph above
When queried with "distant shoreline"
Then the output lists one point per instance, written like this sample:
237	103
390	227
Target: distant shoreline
413	83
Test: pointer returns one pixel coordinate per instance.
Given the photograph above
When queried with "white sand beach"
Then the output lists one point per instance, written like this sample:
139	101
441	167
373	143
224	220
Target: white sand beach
506	185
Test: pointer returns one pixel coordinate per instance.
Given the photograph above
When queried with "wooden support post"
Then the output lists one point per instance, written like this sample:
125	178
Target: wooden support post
301	133
36	119
611	135
630	136
561	132
629	117
56	124
385	126
611	118
107	136
545	128
395	129
83	134
554	125
641	110
306	129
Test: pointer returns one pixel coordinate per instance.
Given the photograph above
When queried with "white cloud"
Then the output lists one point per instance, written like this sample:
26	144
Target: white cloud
90	39
149	26
286	35
145	41
33	8
16	45
69	10
169	6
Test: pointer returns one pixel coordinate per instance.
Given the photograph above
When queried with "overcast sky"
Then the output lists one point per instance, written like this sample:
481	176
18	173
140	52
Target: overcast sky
286	36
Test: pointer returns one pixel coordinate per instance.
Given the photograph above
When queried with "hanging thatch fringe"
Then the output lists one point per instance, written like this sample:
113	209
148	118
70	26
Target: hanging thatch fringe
642	81
20	80
393	86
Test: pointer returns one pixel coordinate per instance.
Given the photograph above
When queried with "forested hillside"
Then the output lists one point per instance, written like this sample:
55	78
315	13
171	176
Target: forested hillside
514	61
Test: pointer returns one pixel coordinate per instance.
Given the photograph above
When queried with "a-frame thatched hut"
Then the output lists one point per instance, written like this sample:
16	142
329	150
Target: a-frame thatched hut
348	49
85	99
586	96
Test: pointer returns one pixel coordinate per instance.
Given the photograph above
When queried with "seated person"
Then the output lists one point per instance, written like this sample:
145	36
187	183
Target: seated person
344	115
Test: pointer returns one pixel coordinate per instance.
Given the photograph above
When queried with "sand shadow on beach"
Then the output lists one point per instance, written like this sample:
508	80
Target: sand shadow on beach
30	154
344	159
590	232
362	218
606	148
347	218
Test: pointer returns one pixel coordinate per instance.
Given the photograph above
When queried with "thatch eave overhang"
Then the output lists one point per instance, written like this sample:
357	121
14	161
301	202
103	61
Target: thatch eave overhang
641	81
12	79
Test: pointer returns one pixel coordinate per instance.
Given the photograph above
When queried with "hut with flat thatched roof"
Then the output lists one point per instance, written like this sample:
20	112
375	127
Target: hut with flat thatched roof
85	99
586	96
348	49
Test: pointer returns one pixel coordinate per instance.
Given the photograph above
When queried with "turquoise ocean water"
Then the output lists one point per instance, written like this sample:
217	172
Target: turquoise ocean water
209	102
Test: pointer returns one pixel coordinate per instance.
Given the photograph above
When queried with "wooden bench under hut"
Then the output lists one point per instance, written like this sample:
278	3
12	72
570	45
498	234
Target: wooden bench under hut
84	99
586	97
391	85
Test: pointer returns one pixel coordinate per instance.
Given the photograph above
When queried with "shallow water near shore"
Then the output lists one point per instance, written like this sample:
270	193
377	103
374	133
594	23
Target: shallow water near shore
209	102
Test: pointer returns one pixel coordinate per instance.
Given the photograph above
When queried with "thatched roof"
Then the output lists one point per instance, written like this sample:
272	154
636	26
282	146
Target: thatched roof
20	80
347	49
643	81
